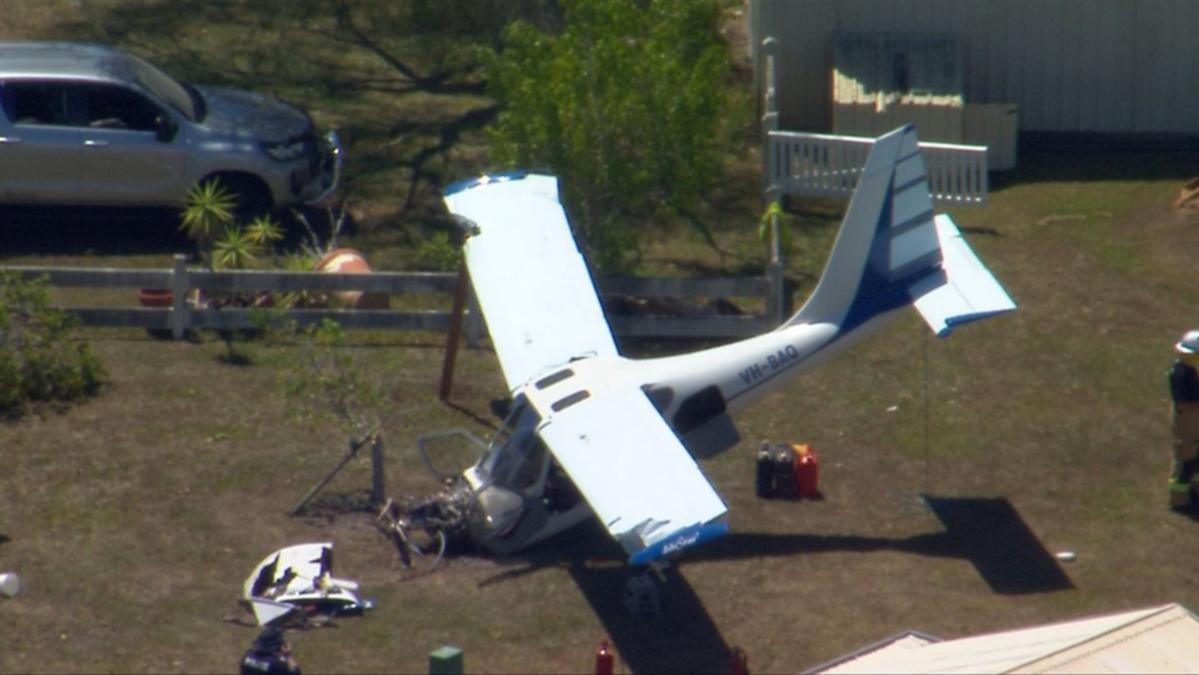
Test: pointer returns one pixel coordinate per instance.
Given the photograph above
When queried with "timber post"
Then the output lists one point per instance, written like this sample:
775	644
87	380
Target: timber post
378	483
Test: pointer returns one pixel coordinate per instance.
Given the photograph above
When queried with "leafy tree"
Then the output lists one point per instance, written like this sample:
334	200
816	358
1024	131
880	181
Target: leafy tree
625	104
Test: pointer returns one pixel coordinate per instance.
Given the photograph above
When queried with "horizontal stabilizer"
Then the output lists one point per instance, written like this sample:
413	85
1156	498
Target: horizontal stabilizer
969	291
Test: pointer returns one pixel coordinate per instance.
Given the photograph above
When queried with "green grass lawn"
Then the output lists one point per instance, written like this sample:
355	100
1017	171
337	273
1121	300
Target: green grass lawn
134	518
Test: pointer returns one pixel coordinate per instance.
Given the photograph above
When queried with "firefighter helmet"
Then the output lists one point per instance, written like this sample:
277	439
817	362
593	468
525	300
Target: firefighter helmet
1188	344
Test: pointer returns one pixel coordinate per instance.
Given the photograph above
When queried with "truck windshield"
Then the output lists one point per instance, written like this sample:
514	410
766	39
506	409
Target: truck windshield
167	89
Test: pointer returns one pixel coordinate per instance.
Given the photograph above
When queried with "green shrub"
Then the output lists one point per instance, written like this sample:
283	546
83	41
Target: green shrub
328	382
436	253
40	359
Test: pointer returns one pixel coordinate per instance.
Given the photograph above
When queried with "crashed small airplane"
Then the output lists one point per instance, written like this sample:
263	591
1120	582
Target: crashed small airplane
592	432
299	580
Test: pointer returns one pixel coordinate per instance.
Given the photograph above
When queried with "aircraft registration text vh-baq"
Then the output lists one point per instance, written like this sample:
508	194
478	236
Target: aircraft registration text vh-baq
592	432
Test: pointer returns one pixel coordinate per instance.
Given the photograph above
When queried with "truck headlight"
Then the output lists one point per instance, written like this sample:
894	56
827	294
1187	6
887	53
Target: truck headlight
285	152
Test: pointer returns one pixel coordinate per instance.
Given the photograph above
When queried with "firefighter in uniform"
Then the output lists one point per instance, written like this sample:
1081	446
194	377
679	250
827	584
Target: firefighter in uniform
269	655
1184	390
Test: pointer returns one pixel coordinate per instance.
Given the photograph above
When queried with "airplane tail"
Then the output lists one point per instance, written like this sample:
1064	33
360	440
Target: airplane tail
892	251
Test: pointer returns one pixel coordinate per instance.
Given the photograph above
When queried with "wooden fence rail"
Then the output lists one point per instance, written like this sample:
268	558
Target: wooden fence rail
182	316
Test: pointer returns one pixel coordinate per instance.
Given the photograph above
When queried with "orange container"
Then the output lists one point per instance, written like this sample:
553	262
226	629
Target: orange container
807	471
347	260
155	297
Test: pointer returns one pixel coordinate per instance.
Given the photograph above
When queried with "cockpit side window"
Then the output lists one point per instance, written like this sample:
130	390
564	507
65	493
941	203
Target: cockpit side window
518	455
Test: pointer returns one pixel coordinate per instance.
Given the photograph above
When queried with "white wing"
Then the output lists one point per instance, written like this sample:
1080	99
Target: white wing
543	312
534	289
628	464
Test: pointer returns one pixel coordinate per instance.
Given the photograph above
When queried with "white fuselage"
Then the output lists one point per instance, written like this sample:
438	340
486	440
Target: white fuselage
747	370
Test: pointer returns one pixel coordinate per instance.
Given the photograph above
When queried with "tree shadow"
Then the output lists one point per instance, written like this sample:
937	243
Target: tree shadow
330	59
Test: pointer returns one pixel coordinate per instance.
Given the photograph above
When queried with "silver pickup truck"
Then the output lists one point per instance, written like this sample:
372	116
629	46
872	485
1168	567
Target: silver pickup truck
85	124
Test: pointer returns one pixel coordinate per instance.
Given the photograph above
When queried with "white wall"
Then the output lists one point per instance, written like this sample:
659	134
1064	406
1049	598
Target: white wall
1069	65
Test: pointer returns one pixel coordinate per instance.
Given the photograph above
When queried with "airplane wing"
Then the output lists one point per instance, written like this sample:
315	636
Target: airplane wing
542	311
628	464
539	315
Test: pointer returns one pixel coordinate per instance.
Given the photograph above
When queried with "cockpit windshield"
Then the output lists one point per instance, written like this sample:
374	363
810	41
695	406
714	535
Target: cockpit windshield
516	457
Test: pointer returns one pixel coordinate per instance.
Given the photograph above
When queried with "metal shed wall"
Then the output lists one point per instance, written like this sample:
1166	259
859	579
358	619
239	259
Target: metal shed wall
1069	65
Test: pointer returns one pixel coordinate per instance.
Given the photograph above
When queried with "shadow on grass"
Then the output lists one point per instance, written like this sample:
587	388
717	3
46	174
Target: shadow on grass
987	532
32	230
1081	157
683	638
1000	544
680	638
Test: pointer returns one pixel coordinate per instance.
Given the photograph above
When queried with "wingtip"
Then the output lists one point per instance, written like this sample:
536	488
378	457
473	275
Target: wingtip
485	179
675	543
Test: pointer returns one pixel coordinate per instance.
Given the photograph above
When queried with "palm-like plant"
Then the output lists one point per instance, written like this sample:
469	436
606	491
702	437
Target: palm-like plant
264	232
234	249
209	219
208	213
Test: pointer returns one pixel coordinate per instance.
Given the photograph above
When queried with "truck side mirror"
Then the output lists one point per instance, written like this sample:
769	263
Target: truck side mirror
164	128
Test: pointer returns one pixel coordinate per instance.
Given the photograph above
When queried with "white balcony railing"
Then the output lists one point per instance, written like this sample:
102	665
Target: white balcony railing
824	165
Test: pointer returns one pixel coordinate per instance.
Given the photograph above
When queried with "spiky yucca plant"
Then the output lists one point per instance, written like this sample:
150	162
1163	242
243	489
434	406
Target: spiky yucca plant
207	215
264	232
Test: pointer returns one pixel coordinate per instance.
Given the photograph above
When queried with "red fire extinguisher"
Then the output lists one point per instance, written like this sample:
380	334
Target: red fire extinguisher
738	662
604	661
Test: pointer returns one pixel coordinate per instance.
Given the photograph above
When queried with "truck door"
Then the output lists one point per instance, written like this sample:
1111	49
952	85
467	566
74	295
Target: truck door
40	151
125	161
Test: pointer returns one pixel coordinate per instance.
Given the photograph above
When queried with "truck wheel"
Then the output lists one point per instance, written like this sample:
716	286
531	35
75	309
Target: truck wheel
252	197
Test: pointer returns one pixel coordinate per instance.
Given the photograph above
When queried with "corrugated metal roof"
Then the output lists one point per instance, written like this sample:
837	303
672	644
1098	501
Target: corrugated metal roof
1159	639
1165	642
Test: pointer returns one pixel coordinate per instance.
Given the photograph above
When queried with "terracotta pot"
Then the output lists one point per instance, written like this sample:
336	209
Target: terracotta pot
155	297
349	261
